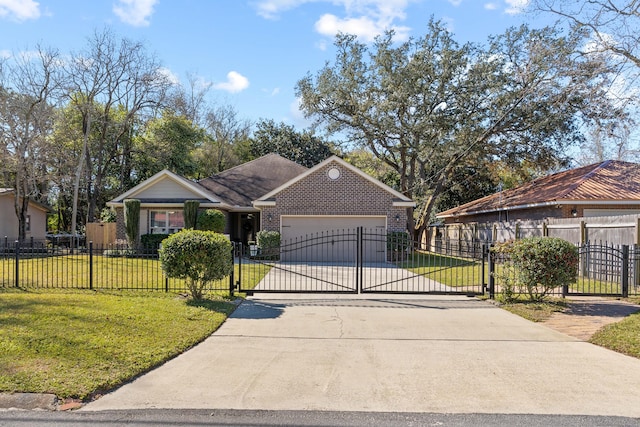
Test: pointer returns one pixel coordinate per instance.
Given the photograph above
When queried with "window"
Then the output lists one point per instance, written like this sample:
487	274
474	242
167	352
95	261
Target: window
27	224
165	222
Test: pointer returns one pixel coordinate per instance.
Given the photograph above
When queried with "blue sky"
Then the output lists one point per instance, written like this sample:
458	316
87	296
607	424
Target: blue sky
252	52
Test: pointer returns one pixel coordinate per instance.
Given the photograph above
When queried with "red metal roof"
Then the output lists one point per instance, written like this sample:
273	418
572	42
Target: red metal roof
608	181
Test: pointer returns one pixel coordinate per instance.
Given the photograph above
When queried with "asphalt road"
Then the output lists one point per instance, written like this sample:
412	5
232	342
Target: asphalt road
201	417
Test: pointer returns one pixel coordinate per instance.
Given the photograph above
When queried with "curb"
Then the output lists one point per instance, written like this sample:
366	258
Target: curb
36	401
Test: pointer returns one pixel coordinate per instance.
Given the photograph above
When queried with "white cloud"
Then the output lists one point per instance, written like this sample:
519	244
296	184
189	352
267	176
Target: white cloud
5	54
134	12
364	27
363	18
270	9
170	75
322	44
297	115
236	82
490	6
516	6
455	3
19	10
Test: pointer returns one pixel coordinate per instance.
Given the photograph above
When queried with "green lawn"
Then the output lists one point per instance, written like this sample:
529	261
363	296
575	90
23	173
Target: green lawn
78	343
448	270
622	336
74	272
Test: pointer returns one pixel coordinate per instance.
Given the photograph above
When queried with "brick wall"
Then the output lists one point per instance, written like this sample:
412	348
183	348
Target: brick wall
121	233
349	194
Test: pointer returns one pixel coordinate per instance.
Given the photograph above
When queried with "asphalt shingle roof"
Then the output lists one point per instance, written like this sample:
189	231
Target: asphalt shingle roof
241	185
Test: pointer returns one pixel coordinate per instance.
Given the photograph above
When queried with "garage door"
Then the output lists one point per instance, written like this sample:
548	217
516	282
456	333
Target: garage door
331	238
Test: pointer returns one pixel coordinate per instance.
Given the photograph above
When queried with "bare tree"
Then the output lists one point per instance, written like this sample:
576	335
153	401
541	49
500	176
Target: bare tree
614	24
223	128
190	101
27	93
110	84
613	28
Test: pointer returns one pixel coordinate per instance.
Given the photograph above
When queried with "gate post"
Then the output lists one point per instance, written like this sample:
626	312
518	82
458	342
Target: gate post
17	252
91	264
625	271
239	251
492	279
231	274
359	269
485	253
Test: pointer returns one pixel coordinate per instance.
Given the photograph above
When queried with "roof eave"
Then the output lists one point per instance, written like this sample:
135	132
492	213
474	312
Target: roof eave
540	205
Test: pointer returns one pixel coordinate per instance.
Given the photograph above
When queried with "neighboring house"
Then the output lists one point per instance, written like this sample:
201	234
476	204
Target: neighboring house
36	217
272	193
601	189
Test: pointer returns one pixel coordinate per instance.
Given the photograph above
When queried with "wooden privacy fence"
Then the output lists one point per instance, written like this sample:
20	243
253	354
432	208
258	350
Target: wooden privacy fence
101	233
617	230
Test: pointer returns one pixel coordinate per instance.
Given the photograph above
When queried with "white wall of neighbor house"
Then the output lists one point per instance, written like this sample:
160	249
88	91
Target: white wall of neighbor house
609	212
37	218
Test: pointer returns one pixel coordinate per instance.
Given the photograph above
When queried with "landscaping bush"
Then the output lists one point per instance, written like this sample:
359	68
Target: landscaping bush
269	244
211	220
152	241
191	213
198	256
132	220
537	265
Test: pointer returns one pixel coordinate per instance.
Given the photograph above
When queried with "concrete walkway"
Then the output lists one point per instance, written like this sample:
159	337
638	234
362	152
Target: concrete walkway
421	354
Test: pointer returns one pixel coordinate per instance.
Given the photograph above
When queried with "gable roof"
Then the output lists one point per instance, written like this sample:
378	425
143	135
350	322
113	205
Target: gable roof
400	199
41	206
189	186
606	182
242	184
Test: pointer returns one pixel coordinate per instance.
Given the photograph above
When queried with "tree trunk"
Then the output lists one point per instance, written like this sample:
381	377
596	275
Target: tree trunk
76	184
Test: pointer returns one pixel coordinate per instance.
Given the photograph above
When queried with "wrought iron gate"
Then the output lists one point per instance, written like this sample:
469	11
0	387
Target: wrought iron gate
360	261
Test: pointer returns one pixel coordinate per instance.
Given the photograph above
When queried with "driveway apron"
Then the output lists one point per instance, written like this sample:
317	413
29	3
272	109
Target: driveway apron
442	354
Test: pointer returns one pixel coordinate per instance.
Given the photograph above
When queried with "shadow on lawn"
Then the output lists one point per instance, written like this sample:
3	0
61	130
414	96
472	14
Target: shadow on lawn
218	306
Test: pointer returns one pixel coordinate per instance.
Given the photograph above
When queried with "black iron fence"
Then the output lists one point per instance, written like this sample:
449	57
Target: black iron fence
603	270
357	261
39	264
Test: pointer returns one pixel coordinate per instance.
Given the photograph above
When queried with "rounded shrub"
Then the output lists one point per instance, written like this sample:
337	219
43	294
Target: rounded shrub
211	220
197	256
542	264
269	243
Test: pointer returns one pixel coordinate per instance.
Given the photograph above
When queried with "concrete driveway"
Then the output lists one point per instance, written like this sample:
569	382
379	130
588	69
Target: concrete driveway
332	277
422	354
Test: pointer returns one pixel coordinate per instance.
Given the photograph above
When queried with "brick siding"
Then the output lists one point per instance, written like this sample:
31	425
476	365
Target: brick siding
350	194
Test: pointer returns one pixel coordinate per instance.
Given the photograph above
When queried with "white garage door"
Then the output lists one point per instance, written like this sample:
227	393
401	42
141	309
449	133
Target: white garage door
331	238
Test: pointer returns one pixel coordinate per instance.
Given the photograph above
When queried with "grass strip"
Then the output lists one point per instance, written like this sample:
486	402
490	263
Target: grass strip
81	343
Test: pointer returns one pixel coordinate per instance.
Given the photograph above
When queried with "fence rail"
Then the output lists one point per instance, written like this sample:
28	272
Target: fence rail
35	264
604	269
